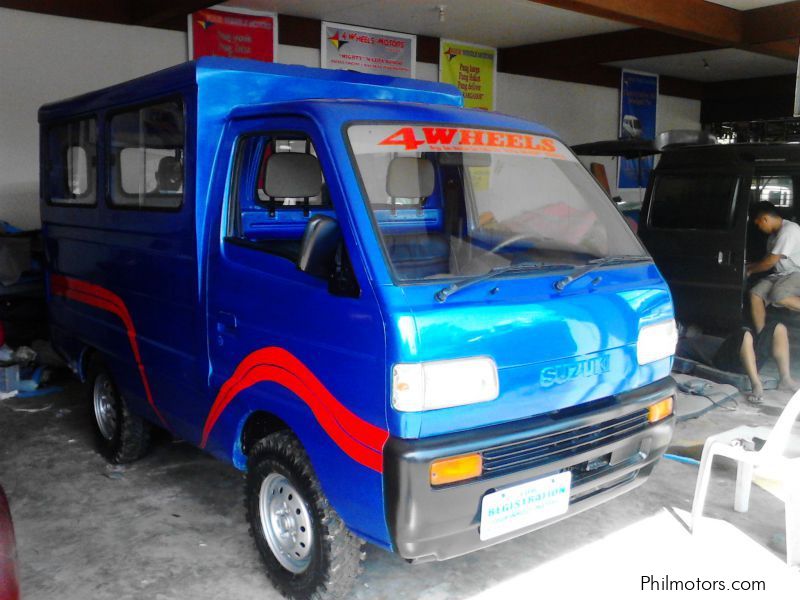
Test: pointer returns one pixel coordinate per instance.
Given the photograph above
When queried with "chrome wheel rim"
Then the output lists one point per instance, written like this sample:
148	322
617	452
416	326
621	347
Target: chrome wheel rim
286	523
105	411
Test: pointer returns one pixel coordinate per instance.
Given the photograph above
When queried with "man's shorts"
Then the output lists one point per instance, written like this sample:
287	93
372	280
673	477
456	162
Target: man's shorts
777	287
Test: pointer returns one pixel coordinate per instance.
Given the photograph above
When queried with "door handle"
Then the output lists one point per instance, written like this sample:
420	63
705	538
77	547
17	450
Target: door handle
724	258
226	321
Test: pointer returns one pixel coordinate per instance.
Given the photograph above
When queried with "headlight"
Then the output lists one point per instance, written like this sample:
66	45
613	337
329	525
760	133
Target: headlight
656	342
443	383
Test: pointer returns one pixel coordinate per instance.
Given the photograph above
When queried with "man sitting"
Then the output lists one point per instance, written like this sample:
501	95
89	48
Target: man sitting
781	288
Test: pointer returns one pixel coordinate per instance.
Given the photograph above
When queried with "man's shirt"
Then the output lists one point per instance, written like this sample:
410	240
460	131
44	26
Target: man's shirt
786	243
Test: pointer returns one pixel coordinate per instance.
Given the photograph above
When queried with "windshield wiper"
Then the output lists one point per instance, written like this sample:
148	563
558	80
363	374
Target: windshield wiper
598	263
524	267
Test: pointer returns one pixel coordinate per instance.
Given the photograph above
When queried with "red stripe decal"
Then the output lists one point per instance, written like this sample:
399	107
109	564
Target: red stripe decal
360	440
100	297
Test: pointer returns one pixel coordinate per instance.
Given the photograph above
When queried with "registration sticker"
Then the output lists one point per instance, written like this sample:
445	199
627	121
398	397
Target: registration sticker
522	505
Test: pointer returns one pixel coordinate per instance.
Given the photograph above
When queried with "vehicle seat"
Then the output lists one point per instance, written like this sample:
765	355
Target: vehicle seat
415	254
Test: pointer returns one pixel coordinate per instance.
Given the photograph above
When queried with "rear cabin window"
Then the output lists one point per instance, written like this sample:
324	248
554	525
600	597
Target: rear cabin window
777	189
274	223
699	201
147	157
72	163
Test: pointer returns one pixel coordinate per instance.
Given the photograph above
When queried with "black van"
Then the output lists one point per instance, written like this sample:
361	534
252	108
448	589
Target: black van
695	223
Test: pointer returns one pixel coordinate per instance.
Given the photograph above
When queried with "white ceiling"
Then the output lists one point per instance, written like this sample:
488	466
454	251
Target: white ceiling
722	65
746	4
497	23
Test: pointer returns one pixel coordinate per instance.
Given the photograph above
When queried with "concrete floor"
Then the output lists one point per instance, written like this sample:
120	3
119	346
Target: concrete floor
172	525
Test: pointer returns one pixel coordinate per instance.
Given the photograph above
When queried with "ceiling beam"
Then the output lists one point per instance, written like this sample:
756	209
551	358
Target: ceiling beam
772	23
94	10
780	49
155	13
772	30
694	19
605	76
748	99
600	48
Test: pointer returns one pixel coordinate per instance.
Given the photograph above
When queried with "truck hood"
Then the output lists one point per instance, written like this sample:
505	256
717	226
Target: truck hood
553	350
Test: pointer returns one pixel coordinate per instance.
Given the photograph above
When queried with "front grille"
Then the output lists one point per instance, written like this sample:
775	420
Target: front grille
561	444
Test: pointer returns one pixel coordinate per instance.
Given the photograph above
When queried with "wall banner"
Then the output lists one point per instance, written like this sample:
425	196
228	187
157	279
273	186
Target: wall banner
638	101
472	69
797	91
235	33
368	50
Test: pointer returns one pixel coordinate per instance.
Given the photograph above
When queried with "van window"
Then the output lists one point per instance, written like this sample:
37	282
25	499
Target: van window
272	223
778	189
72	164
147	149
461	201
693	201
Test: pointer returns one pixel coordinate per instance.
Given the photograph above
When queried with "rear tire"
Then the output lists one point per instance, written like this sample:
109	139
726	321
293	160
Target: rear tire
122	437
306	548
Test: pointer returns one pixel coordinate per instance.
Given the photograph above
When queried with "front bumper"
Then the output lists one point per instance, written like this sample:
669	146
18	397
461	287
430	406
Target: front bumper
608	445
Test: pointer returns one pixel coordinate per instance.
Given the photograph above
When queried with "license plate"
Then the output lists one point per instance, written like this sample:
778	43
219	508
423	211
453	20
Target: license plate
522	505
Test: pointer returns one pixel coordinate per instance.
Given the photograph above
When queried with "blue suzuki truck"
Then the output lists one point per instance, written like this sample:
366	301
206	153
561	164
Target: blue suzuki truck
411	324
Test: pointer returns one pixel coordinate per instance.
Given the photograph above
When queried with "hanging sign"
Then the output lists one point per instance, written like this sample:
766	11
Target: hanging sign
472	69
235	33
638	101
368	50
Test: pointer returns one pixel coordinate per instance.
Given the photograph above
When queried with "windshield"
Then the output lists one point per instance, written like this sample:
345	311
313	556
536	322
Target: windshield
454	201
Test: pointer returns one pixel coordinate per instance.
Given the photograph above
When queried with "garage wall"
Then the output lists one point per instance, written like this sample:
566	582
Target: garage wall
45	58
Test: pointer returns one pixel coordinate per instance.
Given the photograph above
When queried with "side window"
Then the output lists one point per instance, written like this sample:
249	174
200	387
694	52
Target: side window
278	187
147	157
278	145
693	201
72	163
777	189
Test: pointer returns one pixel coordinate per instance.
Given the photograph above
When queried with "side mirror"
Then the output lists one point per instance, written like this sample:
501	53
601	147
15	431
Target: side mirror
322	254
318	247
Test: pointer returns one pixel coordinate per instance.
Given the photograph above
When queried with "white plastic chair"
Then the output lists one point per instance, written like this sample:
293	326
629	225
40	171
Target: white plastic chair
775	467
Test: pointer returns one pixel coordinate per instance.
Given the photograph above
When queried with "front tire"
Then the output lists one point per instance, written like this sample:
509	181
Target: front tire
122	437
306	548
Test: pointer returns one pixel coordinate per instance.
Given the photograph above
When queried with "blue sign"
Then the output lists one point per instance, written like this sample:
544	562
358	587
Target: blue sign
637	119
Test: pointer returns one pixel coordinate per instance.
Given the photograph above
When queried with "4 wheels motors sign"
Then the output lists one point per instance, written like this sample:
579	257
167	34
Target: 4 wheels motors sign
368	50
234	34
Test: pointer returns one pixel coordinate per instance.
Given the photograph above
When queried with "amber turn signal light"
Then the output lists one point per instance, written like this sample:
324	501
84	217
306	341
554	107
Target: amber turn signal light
660	410
459	468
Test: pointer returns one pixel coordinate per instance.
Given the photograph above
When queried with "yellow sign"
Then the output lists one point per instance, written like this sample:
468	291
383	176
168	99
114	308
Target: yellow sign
471	69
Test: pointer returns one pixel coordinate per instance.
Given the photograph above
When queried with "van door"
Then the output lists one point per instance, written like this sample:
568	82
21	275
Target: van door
293	346
696	229
777	187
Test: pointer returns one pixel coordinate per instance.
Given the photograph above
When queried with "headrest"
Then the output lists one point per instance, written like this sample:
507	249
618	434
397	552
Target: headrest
292	175
410	177
169	174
